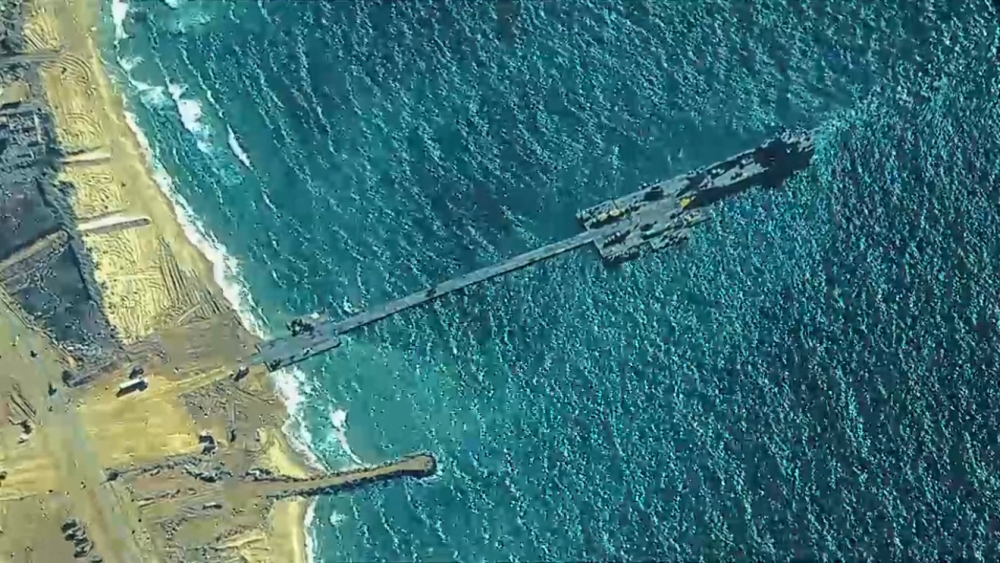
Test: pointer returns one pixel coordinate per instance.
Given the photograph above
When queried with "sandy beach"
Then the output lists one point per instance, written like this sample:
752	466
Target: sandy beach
156	284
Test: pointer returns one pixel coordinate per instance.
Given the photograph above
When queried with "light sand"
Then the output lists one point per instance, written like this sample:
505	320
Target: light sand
153	279
290	514
143	286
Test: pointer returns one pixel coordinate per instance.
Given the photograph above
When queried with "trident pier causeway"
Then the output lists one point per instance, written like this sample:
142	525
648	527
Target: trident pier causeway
658	216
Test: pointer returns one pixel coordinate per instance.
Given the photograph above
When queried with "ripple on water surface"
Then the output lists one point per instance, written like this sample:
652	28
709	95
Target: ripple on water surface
813	375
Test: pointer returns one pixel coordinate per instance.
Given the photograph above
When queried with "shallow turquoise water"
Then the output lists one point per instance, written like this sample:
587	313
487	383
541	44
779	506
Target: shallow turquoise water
813	376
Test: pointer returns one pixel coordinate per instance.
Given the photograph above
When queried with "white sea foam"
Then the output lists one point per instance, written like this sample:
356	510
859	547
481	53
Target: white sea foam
338	419
310	537
189	19
225	269
175	4
151	95
128	63
337	518
119	11
234	145
190	112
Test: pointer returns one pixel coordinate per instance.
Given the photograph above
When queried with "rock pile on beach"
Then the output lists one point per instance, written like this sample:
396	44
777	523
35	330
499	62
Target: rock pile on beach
83	546
260	474
207	473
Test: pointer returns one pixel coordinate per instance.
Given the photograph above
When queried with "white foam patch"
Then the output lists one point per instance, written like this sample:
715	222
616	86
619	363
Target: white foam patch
128	63
225	269
338	419
190	112
150	94
310	532
268	202
119	11
175	4
337	518
234	145
189	19
231	139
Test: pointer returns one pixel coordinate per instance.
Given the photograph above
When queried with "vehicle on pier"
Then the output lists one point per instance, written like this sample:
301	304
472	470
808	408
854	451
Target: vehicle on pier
305	324
132	386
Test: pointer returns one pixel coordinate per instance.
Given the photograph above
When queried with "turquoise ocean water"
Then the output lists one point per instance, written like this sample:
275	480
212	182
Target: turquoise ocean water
813	376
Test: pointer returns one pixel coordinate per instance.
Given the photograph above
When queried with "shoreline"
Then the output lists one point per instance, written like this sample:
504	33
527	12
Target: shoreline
223	275
226	278
195	248
291	514
223	269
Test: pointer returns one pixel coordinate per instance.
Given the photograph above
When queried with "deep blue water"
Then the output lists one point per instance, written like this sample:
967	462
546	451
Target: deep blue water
813	376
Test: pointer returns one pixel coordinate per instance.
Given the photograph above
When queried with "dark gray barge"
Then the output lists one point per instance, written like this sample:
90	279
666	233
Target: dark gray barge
656	217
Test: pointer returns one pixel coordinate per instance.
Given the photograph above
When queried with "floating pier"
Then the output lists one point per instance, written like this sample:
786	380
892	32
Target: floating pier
656	217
